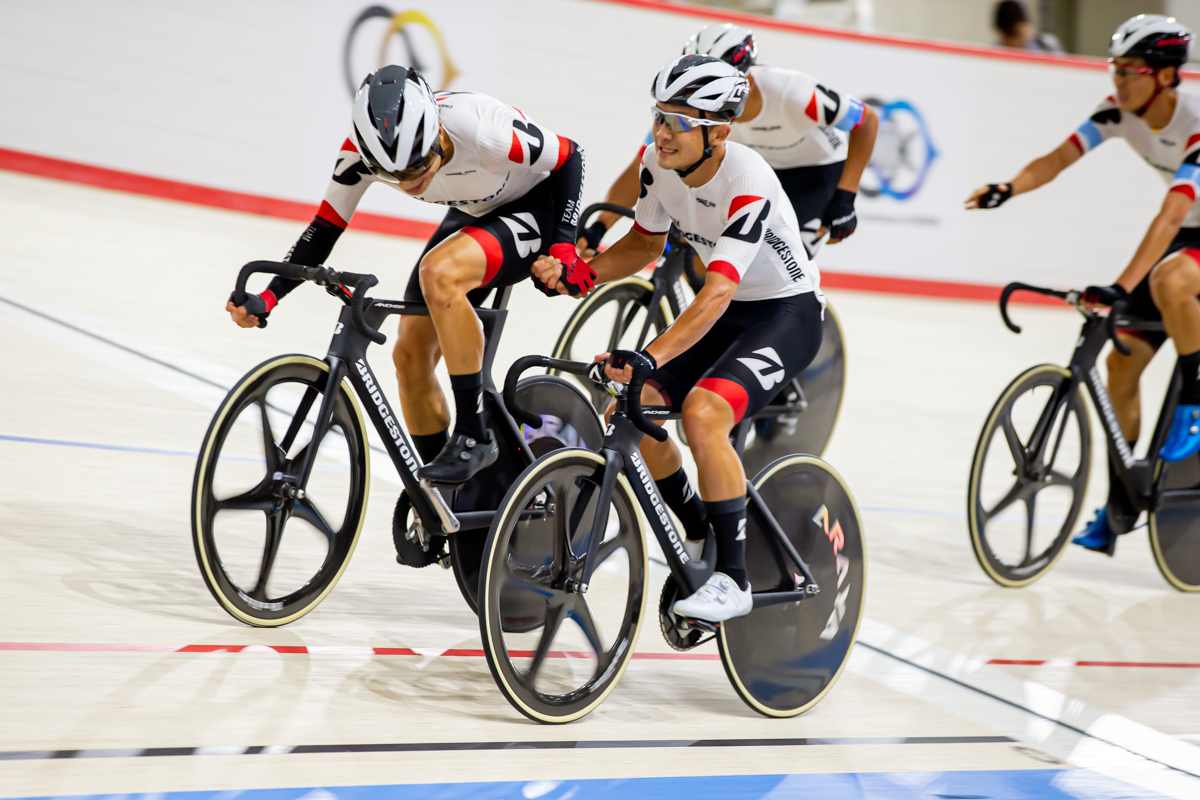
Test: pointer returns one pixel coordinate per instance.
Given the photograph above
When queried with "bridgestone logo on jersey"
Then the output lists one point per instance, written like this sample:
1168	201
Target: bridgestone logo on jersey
785	254
648	485
386	413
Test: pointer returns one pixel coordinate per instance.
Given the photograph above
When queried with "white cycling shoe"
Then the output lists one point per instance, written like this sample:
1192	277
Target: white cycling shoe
717	600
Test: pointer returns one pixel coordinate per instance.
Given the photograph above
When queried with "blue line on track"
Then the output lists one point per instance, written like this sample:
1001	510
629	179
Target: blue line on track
1069	784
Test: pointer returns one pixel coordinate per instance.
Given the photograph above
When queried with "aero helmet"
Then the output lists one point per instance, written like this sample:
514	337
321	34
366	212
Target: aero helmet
1160	41
706	84
731	44
395	121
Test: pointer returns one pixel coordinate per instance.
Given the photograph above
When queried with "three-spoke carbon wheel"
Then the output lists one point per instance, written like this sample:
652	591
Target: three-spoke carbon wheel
1175	523
271	547
557	637
1029	476
611	318
783	658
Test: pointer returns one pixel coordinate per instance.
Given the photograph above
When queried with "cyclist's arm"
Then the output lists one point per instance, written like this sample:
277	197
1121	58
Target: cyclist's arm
808	104
860	147
623	192
1158	238
1042	170
632	253
696	319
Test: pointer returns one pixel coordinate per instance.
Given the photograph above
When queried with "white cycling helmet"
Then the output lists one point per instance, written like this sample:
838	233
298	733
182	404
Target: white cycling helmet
728	42
1160	41
703	83
395	122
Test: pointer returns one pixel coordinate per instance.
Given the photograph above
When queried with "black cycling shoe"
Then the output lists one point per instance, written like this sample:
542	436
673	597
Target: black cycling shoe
459	460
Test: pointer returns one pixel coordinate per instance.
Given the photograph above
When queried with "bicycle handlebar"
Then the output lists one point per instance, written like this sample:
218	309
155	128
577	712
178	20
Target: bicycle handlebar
596	208
322	276
593	371
1071	296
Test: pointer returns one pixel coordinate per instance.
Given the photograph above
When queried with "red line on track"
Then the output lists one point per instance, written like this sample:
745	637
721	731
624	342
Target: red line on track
1019	662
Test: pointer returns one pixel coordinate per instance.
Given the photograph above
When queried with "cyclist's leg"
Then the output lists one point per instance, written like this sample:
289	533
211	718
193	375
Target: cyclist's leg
1175	284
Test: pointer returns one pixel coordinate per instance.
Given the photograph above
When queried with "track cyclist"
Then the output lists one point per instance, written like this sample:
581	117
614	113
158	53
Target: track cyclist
513	189
817	140
1162	279
754	325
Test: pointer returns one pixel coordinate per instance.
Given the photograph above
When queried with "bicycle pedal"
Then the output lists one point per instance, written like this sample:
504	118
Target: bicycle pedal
698	624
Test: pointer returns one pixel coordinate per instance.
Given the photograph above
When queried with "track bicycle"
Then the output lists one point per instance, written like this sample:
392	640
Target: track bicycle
622	314
1031	466
296	416
568	544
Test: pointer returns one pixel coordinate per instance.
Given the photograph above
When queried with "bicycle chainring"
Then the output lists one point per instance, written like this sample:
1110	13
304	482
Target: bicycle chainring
672	631
410	551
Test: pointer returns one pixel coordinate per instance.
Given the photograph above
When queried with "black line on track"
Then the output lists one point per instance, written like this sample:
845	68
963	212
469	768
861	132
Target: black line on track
425	747
1016	705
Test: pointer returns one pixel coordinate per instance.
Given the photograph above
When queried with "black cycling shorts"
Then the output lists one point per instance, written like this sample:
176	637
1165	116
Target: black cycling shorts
512	236
1141	304
810	189
749	355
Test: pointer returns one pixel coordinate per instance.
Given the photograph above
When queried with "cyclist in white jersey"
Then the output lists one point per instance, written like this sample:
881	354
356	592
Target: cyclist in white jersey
817	140
513	190
754	325
1162	280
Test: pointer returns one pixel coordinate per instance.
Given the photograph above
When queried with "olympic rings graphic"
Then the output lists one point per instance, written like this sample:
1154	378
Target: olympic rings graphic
400	25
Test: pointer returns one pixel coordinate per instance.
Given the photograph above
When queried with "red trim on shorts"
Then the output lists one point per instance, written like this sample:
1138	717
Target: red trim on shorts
491	249
726	269
515	153
327	213
1185	189
645	232
349	145
733	393
1193	252
565	148
740	202
270	299
1074	139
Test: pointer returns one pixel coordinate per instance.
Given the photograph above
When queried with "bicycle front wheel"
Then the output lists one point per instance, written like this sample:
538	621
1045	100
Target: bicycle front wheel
269	548
1029	476
558	640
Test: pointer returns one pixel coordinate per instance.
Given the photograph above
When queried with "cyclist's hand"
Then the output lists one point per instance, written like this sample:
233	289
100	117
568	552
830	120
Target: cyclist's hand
583	249
576	276
621	363
240	316
1096	296
993	195
546	271
253	312
839	216
589	242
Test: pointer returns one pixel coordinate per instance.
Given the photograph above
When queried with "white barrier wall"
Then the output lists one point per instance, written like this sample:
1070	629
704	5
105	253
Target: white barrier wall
253	97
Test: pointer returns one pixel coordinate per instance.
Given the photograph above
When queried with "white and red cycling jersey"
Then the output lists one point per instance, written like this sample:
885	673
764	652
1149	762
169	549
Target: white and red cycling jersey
1173	151
740	223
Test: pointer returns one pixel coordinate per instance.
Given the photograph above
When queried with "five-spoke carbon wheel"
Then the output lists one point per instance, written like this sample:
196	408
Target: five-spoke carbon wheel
783	658
558	631
611	318
1029	476
270	545
1175	523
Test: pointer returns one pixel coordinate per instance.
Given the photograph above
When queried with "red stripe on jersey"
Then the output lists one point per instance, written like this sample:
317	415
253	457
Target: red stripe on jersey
327	213
565	148
641	152
1074	139
733	393
726	269
491	249
269	299
1185	188
811	111
514	108
349	145
740	201
515	153
1195	137
645	232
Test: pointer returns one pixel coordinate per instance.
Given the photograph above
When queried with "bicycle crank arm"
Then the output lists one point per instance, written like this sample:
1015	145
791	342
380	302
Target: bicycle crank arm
763	599
475	520
450	523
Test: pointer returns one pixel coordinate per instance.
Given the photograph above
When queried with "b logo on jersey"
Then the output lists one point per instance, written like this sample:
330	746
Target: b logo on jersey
1112	115
525	232
531	138
768	369
823	106
645	180
349	169
747	214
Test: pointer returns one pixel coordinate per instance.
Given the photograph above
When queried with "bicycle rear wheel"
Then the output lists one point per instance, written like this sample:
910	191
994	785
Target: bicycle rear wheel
533	584
809	431
1175	523
244	478
782	659
1048	476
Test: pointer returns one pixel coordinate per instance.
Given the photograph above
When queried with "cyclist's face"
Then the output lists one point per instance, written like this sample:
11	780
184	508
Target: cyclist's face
679	149
1134	85
421	182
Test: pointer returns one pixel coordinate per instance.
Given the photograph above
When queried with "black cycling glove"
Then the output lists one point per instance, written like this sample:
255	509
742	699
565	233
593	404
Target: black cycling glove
257	305
593	233
637	359
839	217
996	195
1105	295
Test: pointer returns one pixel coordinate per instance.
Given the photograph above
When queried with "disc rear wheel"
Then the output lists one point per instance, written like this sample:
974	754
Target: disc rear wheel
1175	523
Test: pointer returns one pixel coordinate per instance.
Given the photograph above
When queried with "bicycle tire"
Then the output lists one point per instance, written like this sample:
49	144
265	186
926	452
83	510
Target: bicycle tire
251	389
1031	567
1174	523
783	659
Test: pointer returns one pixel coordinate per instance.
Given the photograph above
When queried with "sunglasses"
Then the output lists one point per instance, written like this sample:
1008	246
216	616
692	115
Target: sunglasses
406	175
1128	72
679	123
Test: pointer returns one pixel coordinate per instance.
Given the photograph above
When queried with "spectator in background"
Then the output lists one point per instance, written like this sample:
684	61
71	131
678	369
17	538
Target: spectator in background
1016	29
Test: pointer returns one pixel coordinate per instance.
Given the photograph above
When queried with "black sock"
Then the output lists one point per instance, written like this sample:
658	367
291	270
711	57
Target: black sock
430	445
1189	365
685	503
468	404
728	520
